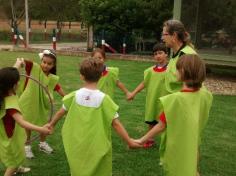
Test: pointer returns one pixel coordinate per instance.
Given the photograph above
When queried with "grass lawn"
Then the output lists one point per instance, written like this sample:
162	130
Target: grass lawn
218	149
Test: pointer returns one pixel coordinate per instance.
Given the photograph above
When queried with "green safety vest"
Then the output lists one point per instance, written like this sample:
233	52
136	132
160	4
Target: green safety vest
34	102
172	84
12	153
107	83
86	136
186	116
155	88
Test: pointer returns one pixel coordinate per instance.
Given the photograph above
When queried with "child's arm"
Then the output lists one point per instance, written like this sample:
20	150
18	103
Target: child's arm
158	128
59	114
23	123
116	124
61	92
140	87
122	87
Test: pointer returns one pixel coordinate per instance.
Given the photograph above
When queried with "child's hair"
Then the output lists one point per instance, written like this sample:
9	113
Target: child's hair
9	76
52	55
176	26
91	69
99	50
160	47
192	70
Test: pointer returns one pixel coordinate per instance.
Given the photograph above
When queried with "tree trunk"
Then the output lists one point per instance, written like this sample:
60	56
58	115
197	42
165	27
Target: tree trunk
90	38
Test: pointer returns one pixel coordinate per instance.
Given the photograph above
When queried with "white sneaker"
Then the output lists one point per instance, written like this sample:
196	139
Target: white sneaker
43	146
28	152
22	170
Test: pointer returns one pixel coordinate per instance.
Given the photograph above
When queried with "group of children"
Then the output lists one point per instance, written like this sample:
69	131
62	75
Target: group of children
91	111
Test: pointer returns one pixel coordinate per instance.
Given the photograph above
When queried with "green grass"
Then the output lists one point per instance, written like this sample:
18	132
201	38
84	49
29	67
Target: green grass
218	150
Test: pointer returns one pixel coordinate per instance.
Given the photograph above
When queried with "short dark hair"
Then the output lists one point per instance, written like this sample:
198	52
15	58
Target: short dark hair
160	47
91	69
192	70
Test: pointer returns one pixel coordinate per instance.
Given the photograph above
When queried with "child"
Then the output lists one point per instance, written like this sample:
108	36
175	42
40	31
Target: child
155	87
86	132
110	76
184	117
34	100
12	136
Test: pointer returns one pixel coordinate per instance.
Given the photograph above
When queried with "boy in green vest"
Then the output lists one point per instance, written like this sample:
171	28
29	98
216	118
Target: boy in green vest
86	132
184	117
154	83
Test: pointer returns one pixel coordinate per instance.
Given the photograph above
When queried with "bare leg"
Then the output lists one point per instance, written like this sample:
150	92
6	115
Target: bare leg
10	171
28	135
42	138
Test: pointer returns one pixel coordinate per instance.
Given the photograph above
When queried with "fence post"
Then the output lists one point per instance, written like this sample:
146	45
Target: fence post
54	39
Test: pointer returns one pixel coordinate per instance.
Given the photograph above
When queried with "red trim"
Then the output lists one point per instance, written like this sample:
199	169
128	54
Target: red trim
105	72
9	122
159	69
189	90
162	117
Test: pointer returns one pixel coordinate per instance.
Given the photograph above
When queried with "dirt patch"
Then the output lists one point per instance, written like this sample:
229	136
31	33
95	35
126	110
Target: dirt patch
223	85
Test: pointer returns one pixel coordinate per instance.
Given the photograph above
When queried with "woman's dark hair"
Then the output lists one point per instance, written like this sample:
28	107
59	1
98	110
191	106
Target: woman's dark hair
91	69
176	26
9	76
192	70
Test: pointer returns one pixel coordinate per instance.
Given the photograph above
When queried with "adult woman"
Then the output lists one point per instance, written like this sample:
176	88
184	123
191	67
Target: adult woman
177	38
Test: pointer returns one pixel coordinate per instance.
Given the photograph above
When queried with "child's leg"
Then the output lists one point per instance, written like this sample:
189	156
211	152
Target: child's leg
28	135
10	171
28	151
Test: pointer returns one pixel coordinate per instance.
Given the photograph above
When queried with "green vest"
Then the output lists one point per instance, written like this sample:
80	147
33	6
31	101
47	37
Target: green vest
12	152
186	116
34	101
155	88
172	85
107	83
86	136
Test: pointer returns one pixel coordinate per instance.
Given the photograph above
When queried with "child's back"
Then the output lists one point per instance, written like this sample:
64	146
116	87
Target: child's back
86	132
186	114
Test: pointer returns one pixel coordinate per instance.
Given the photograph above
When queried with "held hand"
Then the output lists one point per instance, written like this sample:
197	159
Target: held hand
134	144
130	96
46	129
138	141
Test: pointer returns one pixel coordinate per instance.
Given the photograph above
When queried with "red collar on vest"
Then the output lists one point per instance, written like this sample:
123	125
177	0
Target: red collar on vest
157	68
189	90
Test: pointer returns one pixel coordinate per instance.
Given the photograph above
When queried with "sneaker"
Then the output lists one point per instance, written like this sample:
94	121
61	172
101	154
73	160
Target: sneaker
28	152
43	146
22	170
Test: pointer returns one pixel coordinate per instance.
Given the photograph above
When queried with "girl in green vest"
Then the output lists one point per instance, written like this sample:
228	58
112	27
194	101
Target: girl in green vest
154	82
86	132
12	136
34	101
110	76
185	114
175	36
